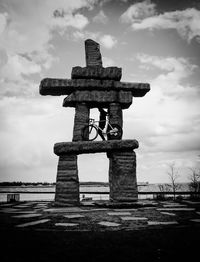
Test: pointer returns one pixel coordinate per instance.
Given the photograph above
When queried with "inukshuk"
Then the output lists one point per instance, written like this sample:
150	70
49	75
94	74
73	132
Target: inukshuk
94	86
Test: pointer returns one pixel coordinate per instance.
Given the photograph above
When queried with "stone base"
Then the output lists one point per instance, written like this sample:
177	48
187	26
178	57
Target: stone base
67	184
122	176
122	170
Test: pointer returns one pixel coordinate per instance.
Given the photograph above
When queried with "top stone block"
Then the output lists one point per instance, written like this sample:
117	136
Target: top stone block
92	53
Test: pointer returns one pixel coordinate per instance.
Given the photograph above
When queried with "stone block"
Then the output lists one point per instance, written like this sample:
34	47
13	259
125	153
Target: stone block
84	147
122	176
67	184
81	119
92	53
115	114
96	72
57	87
98	98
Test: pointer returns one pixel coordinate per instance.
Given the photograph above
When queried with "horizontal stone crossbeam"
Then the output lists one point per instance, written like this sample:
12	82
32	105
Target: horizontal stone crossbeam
97	72
84	147
57	87
98	98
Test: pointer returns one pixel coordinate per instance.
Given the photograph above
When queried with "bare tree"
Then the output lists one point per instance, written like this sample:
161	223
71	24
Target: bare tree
163	188
173	174
195	180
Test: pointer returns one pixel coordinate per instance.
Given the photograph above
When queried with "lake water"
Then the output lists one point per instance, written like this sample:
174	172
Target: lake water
27	196
50	196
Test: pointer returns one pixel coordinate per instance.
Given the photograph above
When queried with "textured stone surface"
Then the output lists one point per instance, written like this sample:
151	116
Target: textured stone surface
156	223
27	216
176	209
81	119
109	224
106	73
122	176
66	224
33	223
97	98
92	53
134	218
57	87
67	184
95	147
115	114
119	213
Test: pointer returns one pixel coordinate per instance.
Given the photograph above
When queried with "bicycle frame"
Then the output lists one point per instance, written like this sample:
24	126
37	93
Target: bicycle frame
92	121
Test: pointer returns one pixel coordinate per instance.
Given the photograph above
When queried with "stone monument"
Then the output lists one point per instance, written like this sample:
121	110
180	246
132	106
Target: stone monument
94	86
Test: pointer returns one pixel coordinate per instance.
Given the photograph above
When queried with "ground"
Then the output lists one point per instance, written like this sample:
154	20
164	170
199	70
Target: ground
150	230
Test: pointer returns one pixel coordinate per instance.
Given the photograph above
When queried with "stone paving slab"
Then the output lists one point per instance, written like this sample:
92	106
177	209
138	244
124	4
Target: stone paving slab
155	223
6	204
108	224
176	209
197	220
27	216
167	213
23	212
174	205
87	204
125	209
74	216
94	210
21	206
119	213
64	209
33	223
8	210
134	218
66	224
191	202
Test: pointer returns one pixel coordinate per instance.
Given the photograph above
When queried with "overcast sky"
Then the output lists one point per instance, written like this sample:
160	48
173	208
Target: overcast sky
153	41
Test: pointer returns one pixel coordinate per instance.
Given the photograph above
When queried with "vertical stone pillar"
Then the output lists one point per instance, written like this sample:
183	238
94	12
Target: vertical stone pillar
67	184
115	114
122	176
81	119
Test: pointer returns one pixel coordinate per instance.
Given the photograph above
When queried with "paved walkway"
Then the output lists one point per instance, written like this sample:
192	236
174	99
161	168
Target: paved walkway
149	214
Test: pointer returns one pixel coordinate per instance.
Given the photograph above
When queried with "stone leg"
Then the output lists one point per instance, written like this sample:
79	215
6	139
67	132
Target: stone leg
81	119
122	176
67	184
115	114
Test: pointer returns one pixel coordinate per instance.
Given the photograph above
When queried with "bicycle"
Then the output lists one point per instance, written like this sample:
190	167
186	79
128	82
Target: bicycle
90	132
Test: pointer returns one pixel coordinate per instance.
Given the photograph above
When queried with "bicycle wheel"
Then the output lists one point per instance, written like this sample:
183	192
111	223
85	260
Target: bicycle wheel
114	133
89	133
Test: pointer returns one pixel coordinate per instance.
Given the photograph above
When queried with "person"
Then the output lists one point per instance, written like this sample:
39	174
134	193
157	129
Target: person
102	122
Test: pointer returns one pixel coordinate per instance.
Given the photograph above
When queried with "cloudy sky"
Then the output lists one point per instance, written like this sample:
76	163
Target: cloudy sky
153	41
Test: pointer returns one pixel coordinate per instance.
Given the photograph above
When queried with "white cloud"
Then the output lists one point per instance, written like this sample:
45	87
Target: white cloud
100	17
143	16
77	21
166	122
108	41
138	11
83	35
175	70
3	22
26	31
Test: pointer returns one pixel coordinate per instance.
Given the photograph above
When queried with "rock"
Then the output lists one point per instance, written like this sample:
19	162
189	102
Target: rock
67	184
81	119
83	147
92	53
122	176
57	87
96	72
97	98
